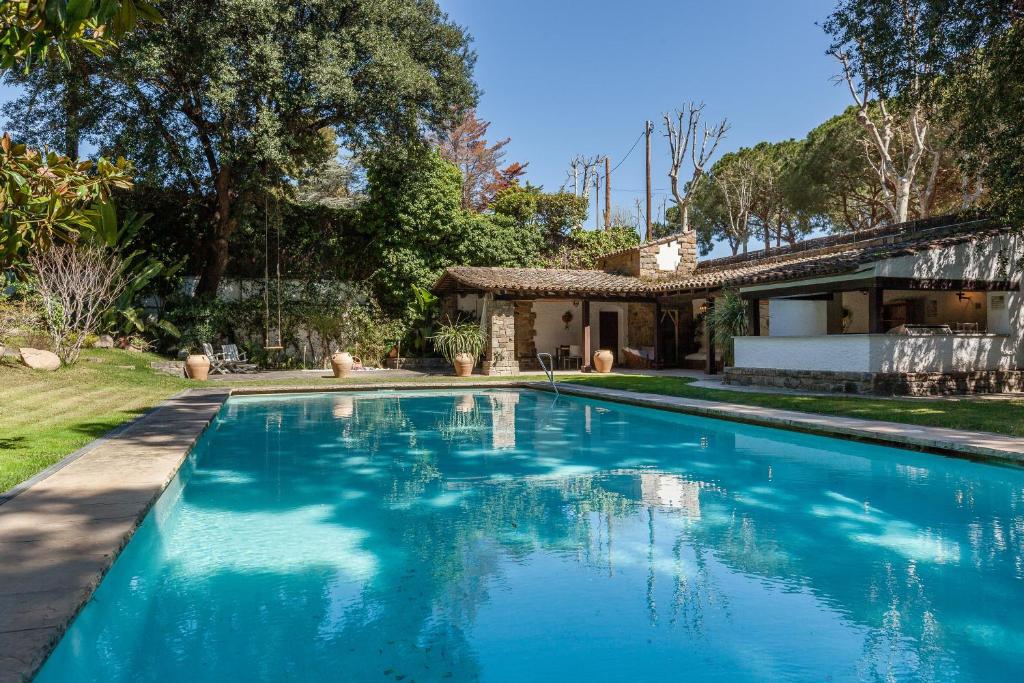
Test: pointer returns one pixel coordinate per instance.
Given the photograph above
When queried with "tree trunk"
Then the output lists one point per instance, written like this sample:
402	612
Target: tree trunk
224	224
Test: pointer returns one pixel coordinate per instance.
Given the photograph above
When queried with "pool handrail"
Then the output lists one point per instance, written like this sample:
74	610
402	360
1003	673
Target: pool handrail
548	371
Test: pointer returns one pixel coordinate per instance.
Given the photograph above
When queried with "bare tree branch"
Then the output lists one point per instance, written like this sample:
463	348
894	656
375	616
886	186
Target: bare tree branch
682	128
77	285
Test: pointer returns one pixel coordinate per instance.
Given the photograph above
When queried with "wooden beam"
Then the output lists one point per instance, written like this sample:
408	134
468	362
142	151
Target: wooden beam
657	334
754	317
834	314
875	300
823	289
709	340
586	335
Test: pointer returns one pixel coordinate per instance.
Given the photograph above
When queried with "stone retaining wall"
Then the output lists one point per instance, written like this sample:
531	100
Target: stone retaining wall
881	383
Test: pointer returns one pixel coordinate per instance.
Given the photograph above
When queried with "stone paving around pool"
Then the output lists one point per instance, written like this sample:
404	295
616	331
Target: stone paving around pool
59	535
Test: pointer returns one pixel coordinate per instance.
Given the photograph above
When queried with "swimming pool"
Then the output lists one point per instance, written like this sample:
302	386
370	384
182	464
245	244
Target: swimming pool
508	535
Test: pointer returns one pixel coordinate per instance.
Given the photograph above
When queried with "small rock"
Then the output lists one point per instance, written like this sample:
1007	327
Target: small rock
105	342
37	359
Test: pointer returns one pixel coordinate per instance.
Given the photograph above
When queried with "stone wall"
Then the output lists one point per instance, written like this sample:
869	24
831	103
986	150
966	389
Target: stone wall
640	325
672	256
804	380
525	334
881	383
500	347
626	262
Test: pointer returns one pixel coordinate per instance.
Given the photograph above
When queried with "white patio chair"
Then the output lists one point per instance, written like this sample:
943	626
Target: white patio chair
236	360
218	364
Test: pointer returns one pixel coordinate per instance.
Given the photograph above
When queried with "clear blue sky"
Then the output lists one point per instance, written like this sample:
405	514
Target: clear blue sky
570	77
566	78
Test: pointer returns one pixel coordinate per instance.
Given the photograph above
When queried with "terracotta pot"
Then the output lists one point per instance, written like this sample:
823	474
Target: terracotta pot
603	361
197	366
341	363
464	363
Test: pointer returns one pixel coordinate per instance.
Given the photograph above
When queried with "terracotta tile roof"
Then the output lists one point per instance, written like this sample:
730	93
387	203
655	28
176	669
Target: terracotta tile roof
539	281
823	256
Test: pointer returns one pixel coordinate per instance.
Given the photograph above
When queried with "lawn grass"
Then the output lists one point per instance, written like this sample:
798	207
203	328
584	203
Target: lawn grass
998	416
46	415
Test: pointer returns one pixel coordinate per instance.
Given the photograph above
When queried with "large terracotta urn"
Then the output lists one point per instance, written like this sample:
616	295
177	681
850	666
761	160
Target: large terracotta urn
603	361
341	363
464	363
197	366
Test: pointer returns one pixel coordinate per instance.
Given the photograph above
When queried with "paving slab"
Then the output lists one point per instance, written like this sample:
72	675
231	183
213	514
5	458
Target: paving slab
61	534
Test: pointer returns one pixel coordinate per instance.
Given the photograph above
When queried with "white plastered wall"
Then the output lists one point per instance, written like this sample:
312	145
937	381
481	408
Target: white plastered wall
551	331
797	318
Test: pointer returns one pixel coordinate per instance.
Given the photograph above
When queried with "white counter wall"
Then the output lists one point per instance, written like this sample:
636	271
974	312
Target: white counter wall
878	353
797	318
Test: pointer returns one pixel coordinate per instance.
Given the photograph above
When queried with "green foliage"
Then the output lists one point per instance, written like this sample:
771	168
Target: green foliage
128	317
19	312
582	247
415	227
987	99
552	214
837	182
46	197
728	319
453	338
316	319
30	29
422	312
414	216
227	101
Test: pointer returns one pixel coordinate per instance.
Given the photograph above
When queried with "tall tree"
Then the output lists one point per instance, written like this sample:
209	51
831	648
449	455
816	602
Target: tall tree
553	214
682	128
833	179
227	98
465	145
735	180
774	202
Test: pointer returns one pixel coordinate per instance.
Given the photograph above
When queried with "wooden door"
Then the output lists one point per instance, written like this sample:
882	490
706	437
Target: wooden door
608	332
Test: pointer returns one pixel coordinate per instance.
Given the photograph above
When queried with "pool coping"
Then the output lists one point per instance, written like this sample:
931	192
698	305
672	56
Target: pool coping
63	548
62	530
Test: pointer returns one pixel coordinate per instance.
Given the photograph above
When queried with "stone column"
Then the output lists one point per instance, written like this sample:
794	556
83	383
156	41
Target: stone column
500	349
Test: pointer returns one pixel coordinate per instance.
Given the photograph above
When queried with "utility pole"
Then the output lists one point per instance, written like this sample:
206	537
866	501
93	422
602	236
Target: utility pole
648	128
597	202
607	194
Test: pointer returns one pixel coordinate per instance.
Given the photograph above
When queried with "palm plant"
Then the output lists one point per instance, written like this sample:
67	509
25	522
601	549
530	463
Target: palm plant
422	313
454	338
728	319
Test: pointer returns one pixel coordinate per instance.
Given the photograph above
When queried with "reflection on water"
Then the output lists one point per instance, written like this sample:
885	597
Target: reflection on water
504	536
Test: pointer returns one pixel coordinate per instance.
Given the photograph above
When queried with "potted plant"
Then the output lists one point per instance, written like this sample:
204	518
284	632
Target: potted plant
461	343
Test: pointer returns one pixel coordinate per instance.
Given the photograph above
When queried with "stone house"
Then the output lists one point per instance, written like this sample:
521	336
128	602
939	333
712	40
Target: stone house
932	306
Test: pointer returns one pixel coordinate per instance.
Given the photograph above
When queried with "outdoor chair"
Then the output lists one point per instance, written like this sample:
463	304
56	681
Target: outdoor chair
218	364
235	360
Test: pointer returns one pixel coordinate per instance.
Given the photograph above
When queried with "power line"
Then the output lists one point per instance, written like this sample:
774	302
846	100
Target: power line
635	143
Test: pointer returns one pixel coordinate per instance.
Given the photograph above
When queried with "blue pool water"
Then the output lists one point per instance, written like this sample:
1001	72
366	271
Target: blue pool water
509	536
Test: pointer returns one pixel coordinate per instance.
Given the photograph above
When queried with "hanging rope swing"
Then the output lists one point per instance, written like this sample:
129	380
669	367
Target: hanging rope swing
278	345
